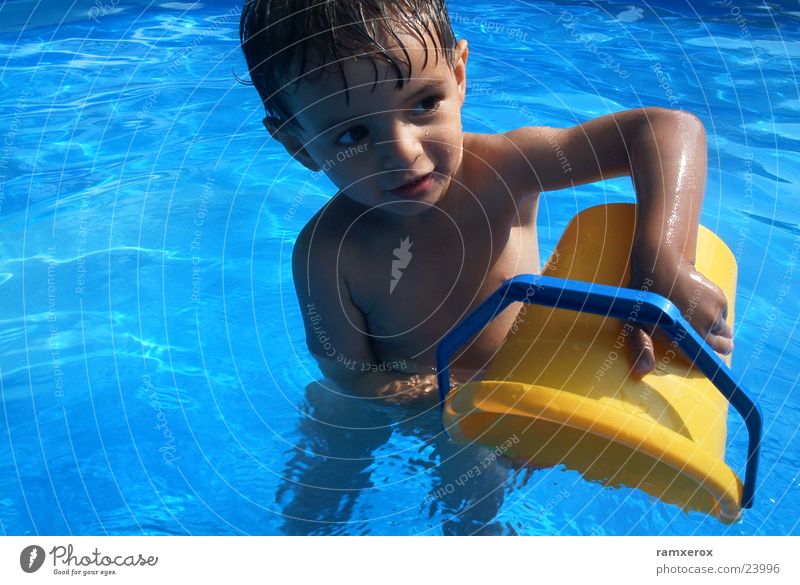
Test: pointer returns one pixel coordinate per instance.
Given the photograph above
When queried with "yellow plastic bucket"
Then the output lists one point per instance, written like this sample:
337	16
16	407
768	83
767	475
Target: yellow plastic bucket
559	390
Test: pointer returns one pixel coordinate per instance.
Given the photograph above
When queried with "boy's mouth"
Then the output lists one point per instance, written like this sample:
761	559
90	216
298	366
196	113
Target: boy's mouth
415	188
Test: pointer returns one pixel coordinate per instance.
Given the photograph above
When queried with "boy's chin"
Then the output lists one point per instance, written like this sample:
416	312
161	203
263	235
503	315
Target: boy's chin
408	208
399	208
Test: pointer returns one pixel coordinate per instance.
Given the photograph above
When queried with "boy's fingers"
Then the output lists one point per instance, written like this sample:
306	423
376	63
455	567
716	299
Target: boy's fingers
721	328
717	305
720	337
722	345
640	348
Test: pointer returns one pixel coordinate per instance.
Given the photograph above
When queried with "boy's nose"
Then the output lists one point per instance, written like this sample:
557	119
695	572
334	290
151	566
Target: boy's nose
400	150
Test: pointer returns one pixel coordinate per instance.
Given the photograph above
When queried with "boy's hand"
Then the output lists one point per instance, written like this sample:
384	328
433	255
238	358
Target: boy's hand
700	301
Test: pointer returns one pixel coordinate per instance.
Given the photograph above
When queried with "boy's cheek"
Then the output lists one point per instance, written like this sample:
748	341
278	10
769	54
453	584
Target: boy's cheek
343	175
363	186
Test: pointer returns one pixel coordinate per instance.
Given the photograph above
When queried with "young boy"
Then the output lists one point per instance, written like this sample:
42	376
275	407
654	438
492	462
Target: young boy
429	220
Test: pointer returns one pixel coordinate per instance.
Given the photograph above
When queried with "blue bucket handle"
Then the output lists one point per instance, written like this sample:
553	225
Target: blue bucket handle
599	299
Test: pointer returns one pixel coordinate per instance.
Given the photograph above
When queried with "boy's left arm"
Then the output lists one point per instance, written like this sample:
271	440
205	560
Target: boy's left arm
664	152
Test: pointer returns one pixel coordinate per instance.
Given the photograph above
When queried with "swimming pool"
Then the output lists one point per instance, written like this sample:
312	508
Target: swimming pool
154	374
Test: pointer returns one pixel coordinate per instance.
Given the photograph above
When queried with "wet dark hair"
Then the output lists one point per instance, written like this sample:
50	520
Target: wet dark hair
286	40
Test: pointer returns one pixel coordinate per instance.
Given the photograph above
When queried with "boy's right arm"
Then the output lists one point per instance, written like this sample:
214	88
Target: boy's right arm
336	329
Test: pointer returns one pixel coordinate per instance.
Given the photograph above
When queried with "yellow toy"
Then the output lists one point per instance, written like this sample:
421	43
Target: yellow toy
558	391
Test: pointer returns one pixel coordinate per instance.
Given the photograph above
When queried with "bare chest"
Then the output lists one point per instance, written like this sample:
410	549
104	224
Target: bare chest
413	287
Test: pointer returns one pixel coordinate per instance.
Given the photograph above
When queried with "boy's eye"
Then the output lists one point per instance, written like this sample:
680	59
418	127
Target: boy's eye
428	105
352	136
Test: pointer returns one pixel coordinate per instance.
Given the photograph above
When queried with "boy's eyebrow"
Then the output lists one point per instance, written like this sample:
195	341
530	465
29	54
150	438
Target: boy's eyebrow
429	85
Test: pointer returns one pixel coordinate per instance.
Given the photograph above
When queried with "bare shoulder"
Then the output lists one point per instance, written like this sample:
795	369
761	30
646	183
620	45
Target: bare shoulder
326	230
480	150
496	163
324	256
510	149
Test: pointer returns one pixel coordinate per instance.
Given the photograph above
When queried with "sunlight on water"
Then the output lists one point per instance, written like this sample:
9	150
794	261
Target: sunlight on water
155	378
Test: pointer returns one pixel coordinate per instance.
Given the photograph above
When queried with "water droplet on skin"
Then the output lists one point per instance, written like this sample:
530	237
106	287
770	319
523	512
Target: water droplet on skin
427	132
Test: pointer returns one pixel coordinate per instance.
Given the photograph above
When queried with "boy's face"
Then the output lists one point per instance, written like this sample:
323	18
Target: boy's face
393	148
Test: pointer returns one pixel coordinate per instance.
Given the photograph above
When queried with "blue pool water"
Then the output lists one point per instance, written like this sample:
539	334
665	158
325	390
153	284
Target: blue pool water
154	374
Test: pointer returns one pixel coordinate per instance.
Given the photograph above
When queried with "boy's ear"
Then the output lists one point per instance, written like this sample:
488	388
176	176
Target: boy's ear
292	144
460	67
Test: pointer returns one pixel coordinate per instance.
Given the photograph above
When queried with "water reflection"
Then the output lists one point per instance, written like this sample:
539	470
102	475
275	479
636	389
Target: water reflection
336	459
